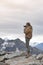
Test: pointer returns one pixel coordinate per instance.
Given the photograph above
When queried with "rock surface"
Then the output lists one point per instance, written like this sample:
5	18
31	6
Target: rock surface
2	53
18	58
1	58
1	63
39	57
22	60
14	54
9	56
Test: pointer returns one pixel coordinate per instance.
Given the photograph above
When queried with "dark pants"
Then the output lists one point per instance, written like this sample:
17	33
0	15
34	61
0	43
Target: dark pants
27	45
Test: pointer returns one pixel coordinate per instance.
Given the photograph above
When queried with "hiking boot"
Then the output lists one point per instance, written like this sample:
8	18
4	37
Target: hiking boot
28	55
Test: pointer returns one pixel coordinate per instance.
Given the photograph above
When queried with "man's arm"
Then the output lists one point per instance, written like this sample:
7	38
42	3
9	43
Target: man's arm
28	30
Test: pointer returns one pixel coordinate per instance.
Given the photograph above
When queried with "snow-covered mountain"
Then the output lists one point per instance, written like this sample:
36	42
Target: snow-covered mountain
39	46
17	45
1	42
13	45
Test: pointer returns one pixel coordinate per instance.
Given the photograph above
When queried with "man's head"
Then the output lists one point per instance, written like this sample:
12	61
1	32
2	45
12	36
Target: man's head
27	24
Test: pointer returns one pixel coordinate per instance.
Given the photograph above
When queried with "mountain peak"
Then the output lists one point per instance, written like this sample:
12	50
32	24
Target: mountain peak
18	39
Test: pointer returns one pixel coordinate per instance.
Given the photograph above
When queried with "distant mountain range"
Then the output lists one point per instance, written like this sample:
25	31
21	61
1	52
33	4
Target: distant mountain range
16	45
12	45
39	46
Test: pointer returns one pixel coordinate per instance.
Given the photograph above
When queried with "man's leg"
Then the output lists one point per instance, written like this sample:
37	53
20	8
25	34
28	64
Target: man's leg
28	48
27	45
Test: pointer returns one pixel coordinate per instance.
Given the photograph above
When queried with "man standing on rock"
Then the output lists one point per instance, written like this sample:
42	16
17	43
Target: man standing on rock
28	36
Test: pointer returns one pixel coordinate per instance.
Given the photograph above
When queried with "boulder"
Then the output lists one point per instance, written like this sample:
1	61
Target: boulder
2	53
39	57
1	58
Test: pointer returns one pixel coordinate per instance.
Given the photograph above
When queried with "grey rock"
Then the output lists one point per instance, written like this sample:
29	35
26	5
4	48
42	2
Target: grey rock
42	61
33	63
9	56
34	55
1	58
2	53
23	61
1	63
13	55
39	57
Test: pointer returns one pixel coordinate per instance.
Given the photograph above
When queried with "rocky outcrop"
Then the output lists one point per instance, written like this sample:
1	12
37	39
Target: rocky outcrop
10	55
24	61
20	59
39	57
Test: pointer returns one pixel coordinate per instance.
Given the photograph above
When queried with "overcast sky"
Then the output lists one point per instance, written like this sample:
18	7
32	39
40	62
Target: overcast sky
15	13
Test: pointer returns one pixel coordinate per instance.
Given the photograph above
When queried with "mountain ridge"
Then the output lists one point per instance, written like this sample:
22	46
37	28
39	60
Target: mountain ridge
39	46
17	44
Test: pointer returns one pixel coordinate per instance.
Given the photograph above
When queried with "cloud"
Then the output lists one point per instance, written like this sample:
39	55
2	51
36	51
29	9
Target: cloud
15	13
